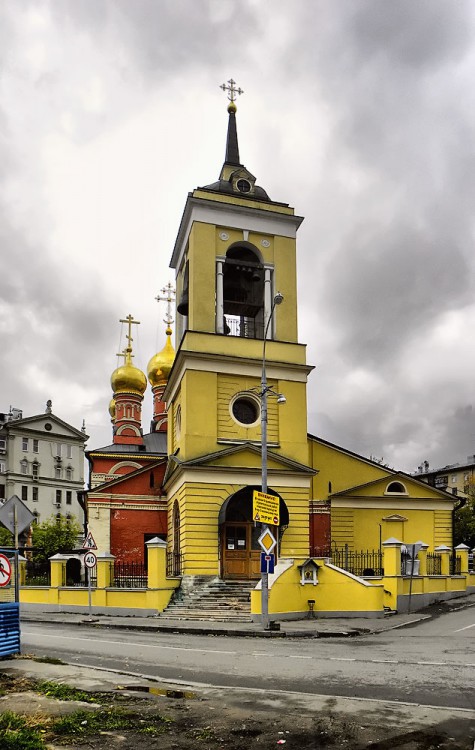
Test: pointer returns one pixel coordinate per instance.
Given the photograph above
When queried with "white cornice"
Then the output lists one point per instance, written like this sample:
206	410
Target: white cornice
234	216
228	365
233	475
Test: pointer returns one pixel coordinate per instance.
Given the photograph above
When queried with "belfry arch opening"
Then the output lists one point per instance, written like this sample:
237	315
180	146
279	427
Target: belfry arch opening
243	282
240	549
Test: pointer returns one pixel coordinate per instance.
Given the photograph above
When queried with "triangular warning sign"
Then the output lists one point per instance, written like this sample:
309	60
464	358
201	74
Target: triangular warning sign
89	542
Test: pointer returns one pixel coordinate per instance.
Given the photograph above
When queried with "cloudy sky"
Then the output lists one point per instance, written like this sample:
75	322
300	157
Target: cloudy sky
360	114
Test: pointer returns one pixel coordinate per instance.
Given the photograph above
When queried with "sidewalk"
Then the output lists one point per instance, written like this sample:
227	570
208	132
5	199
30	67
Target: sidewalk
314	628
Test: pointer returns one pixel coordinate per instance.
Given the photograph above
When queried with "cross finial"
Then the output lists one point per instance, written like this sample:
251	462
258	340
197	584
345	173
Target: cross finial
167	294
231	89
128	351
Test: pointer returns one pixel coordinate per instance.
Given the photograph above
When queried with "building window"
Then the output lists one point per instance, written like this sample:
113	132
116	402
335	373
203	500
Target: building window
57	472
442	481
35	494
36	445
69	451
454	479
58	451
69	473
24	444
58	496
69	497
465	477
396	487
24	467
2	491
2	467
36	469
245	410
24	493
3	445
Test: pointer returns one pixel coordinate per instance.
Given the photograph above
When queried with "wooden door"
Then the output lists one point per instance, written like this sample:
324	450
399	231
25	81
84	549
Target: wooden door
240	551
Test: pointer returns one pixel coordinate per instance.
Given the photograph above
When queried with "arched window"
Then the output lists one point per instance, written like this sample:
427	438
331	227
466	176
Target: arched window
396	488
243	293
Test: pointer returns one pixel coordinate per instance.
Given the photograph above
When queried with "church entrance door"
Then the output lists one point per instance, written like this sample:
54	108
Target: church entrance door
241	551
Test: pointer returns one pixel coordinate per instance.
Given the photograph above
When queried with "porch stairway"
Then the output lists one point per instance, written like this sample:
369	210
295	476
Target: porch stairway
205	598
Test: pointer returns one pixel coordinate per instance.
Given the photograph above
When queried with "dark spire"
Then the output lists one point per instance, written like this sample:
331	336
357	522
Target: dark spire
232	147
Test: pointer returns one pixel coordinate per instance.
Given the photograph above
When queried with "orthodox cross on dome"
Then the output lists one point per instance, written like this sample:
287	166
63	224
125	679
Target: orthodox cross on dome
127	353
231	89
167	294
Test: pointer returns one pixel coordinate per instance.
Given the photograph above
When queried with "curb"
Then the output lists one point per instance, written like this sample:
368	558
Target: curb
210	632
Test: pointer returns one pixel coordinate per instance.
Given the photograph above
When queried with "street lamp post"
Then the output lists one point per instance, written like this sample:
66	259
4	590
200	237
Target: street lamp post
278	299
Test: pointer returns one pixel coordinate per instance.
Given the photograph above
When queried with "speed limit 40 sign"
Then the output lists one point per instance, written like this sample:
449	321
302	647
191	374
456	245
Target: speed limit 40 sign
90	560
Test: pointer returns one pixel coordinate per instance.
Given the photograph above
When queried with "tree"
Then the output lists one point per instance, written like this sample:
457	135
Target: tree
56	534
464	531
6	537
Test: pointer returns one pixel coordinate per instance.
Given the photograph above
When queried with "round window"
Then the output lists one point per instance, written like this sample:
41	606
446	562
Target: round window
48	426
245	410
244	186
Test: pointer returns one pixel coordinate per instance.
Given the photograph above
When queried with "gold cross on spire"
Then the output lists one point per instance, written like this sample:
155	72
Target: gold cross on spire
231	90
168	293
127	353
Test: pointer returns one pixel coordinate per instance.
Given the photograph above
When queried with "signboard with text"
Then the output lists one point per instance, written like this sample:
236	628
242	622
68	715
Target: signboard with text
265	508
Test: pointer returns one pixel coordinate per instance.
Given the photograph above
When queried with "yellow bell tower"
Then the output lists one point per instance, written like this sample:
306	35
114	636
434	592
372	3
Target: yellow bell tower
235	258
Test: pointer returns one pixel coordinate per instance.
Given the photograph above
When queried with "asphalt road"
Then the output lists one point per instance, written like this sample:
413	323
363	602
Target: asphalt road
430	663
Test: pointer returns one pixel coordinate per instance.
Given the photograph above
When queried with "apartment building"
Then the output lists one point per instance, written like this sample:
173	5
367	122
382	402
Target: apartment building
42	462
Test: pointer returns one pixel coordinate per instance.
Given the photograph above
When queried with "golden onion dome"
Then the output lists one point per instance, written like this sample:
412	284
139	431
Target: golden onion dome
112	408
160	365
127	378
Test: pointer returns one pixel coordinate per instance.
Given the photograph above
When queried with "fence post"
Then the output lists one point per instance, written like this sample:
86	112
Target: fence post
392	557
58	570
22	569
444	552
104	570
156	563
422	557
461	551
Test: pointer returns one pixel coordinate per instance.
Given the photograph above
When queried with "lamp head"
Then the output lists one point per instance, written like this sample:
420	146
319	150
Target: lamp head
278	298
281	398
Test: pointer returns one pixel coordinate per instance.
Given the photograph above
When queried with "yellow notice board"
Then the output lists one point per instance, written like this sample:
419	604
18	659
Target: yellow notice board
265	508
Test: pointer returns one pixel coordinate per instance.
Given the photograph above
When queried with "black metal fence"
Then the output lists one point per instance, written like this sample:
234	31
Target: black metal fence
38	573
434	564
129	575
361	563
455	565
174	564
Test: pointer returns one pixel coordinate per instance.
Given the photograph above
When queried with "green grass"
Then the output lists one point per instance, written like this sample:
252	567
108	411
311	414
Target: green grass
86	723
15	734
64	692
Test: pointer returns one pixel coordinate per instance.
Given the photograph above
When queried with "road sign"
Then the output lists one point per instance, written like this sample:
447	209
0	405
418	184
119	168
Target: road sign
265	508
267	541
90	560
267	562
89	542
5	570
15	507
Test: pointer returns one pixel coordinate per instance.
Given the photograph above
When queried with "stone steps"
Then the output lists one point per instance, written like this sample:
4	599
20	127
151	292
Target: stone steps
211	599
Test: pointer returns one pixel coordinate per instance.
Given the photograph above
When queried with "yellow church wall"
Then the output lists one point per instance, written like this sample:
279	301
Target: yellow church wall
285	282
249	351
336	592
200	504
339	469
228	428
199	414
202	274
293	421
364	528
